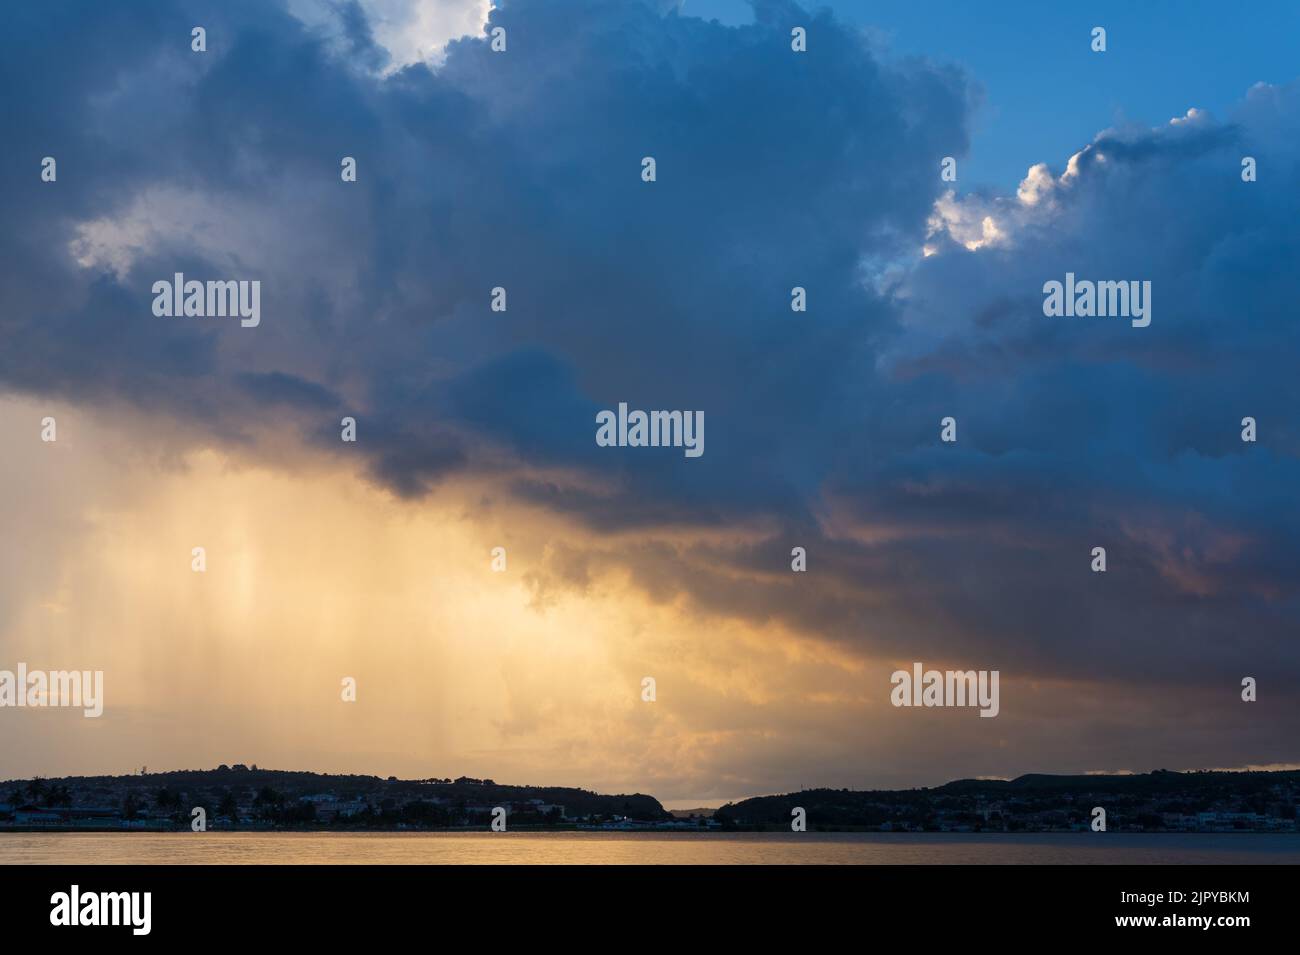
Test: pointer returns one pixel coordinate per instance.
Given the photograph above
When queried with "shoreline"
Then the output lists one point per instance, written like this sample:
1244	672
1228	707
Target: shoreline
84	830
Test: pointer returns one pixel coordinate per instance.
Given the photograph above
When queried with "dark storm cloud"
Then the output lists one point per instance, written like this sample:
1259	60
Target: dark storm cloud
521	170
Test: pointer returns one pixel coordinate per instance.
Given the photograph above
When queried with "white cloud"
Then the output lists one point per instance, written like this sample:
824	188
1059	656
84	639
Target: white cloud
971	220
1037	185
216	229
412	31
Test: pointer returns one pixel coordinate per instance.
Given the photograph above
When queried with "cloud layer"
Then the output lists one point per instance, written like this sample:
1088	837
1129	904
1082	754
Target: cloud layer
774	170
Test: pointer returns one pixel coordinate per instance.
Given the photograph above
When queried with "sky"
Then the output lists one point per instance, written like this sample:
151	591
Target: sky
1162	57
372	560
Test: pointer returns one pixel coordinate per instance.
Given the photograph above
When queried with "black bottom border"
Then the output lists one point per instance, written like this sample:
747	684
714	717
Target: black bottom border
331	903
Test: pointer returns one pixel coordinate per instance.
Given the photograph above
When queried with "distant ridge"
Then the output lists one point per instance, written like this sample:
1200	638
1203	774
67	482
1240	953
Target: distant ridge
240	796
1160	800
1116	782
281	796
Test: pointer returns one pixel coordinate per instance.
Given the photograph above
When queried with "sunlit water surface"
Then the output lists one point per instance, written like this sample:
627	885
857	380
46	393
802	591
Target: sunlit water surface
600	848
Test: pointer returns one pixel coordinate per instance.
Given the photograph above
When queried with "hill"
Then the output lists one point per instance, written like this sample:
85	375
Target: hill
1160	800
236	796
